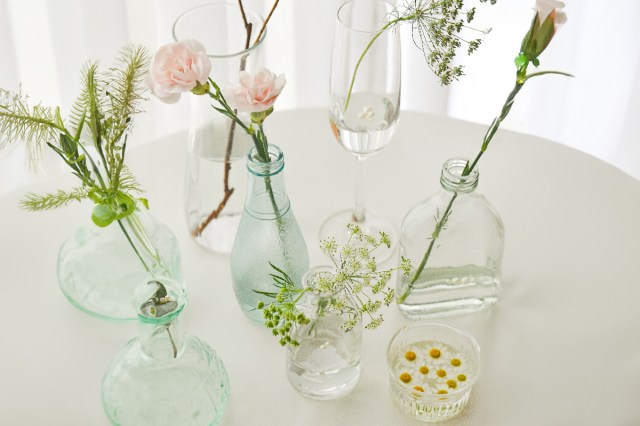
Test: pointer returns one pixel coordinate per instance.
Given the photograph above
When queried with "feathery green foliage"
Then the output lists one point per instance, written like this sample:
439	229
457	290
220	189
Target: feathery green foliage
53	200
20	121
123	89
101	116
356	289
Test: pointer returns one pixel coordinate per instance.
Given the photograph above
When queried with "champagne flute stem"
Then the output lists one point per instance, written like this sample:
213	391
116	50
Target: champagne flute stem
358	210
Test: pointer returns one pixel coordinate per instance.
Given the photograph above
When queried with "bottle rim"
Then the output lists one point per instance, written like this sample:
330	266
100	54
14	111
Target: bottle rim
451	178
345	9
262	169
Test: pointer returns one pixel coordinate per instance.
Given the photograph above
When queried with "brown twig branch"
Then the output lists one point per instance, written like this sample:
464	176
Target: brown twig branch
214	214
244	15
266	21
227	157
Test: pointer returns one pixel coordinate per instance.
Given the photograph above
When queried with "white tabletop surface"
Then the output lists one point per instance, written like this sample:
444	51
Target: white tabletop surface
561	348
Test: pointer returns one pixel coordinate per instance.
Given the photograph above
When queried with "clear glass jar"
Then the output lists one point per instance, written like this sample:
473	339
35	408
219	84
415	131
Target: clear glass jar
455	241
99	268
164	376
326	364
214	180
268	233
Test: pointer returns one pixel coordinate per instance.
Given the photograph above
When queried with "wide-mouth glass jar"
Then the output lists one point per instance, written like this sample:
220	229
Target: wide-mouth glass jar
432	369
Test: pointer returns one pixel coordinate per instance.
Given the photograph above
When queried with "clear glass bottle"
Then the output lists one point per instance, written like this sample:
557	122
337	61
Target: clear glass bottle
99	268
455	241
216	148
326	364
268	233
164	376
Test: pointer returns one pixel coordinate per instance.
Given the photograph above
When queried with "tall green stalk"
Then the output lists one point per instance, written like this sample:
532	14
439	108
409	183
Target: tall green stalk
521	79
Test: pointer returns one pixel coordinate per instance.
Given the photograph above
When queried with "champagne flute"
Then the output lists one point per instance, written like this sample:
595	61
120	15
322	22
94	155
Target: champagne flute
364	101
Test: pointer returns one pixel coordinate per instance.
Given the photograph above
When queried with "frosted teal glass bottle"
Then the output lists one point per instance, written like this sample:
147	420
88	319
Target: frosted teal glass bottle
268	233
164	377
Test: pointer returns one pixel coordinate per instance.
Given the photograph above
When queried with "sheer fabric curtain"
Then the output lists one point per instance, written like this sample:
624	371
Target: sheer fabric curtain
44	43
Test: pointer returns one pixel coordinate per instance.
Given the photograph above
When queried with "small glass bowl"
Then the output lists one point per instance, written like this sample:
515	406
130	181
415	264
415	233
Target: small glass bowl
432	368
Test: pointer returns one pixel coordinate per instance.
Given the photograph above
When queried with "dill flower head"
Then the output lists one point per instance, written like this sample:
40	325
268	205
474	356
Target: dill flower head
439	29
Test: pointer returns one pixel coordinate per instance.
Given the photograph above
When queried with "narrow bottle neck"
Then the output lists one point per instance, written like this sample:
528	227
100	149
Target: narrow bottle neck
160	303
161	341
266	196
322	298
452	179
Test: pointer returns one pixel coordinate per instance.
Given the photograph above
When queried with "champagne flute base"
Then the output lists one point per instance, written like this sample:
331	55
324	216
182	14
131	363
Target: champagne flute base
336	226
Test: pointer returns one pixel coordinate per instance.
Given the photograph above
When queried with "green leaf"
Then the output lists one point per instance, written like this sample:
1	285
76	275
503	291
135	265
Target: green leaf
284	274
103	215
144	202
224	112
79	125
266	293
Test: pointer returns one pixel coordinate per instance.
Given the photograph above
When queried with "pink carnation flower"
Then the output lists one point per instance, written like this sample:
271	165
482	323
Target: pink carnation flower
176	68
256	92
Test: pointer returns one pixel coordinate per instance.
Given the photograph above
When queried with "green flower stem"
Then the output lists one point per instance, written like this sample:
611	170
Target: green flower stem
141	236
262	147
93	165
228	111
139	233
262	140
173	343
366	49
133	246
521	79
259	140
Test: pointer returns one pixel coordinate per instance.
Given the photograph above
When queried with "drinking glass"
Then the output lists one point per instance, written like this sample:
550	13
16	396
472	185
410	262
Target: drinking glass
364	101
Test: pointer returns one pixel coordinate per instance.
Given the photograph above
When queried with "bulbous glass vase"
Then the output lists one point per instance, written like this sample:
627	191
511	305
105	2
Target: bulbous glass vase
100	268
164	376
455	241
268	233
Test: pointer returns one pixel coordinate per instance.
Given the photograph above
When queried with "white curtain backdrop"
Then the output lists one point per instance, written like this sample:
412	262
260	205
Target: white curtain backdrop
43	44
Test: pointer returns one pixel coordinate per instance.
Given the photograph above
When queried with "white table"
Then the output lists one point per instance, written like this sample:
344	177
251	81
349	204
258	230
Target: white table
562	347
